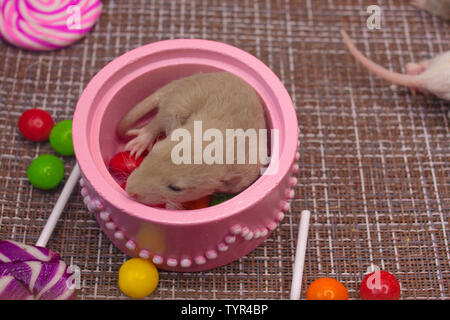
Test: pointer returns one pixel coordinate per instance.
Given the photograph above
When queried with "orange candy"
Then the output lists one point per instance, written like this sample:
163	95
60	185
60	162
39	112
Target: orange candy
198	204
326	289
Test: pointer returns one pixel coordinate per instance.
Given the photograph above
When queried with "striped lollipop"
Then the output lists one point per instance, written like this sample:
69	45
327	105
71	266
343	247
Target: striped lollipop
44	25
29	272
34	272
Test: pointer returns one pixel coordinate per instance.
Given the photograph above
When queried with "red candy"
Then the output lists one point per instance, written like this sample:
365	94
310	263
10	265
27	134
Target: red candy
36	124
379	285
198	203
122	164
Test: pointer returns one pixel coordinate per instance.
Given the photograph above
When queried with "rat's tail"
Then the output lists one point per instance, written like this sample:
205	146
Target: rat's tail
136	113
395	77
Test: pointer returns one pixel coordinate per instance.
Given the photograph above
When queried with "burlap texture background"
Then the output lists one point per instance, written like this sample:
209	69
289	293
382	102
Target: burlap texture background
376	176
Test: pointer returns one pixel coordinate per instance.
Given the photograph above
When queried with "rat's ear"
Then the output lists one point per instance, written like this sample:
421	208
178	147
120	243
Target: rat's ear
229	183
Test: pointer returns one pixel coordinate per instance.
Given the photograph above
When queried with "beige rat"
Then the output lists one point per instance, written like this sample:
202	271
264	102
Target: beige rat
429	76
440	8
220	100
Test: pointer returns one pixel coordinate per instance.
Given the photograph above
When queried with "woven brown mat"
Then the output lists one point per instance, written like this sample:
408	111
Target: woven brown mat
375	175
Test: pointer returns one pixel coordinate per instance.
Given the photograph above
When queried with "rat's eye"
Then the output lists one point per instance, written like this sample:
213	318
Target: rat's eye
174	188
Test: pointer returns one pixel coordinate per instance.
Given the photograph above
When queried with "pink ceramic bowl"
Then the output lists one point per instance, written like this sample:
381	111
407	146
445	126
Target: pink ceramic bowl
180	240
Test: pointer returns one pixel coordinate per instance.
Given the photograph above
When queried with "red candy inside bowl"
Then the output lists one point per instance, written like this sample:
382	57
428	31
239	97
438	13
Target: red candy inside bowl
180	240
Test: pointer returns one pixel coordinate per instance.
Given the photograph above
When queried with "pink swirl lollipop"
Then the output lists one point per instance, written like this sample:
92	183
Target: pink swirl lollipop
44	25
28	272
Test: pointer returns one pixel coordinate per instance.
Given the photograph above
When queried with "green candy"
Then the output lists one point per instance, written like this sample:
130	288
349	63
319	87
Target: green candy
46	172
221	197
61	138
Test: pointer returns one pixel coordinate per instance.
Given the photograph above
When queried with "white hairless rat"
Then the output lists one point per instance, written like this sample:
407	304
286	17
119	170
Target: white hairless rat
429	76
221	101
440	8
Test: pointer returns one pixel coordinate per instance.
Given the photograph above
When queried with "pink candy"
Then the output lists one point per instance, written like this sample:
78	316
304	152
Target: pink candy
43	25
29	272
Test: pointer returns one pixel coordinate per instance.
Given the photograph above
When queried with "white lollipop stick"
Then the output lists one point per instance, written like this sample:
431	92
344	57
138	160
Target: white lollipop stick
299	262
59	207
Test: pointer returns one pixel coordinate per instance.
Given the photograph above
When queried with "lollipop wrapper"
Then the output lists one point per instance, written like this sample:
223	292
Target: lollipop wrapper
30	272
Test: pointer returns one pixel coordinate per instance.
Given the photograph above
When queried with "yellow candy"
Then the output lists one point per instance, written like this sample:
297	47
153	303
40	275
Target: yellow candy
138	278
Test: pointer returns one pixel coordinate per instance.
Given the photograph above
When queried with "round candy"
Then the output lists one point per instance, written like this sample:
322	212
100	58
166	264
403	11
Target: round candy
122	164
35	124
46	172
198	203
138	278
379	285
61	138
47	24
326	289
220	197
30	272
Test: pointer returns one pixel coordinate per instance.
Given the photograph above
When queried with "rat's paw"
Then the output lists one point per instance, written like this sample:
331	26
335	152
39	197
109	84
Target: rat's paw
134	132
140	143
136	147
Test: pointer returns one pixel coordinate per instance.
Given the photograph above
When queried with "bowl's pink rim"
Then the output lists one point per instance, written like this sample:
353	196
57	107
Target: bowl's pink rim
245	199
